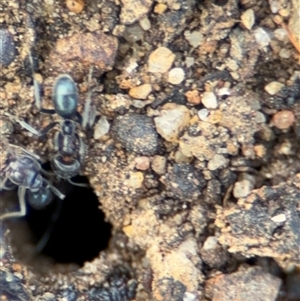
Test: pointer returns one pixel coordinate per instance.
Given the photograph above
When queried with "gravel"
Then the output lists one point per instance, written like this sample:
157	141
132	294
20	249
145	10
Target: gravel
195	154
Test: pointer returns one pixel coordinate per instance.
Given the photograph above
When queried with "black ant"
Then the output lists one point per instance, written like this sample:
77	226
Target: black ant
68	145
23	171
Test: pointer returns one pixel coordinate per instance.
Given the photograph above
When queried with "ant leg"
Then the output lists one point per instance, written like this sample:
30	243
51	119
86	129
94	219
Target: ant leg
35	156
45	238
92	118
48	111
32	130
49	127
56	191
4	184
22	212
78	118
23	124
47	234
28	127
43	132
82	148
47	173
78	184
56	143
89	115
37	97
35	84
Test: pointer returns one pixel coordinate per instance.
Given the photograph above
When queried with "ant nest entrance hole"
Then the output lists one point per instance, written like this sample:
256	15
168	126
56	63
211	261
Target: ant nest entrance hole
67	233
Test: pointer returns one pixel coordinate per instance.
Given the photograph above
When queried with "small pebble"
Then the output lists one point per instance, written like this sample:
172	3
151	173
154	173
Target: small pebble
101	128
176	76
248	18
160	8
48	296
273	87
136	133
262	37
133	10
281	35
279	218
135	180
274	6
284	12
248	151
260	117
160	60
189	61
193	97
249	177
145	23
142	163
194	38
212	253
139	104
158	164
203	114
232	148
210	243
225	91
209	100
75	6
171	121
179	157
242	189
140	92
295	76
285	53
217	162
118	102
215	117
285	148
189	297
175	5
260	150
133	33
283	119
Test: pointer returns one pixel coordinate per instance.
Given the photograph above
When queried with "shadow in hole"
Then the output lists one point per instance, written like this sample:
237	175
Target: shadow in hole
72	230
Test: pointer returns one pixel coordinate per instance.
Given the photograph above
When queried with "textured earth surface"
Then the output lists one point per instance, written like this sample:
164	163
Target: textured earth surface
194	157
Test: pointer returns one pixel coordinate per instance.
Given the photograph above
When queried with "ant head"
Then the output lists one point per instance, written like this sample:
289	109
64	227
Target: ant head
40	198
65	96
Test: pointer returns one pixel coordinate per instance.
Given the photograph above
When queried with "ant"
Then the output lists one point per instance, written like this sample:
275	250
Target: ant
25	172
69	147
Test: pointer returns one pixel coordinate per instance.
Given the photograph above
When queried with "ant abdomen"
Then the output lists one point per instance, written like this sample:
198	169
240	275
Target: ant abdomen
65	96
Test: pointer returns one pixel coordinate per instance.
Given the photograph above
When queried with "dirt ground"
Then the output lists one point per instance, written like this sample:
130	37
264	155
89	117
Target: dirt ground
194	157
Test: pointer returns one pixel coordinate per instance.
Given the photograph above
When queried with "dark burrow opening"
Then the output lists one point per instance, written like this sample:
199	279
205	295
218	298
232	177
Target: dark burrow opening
68	231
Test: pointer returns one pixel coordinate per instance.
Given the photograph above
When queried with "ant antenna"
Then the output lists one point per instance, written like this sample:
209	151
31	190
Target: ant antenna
22	212
87	107
35	84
